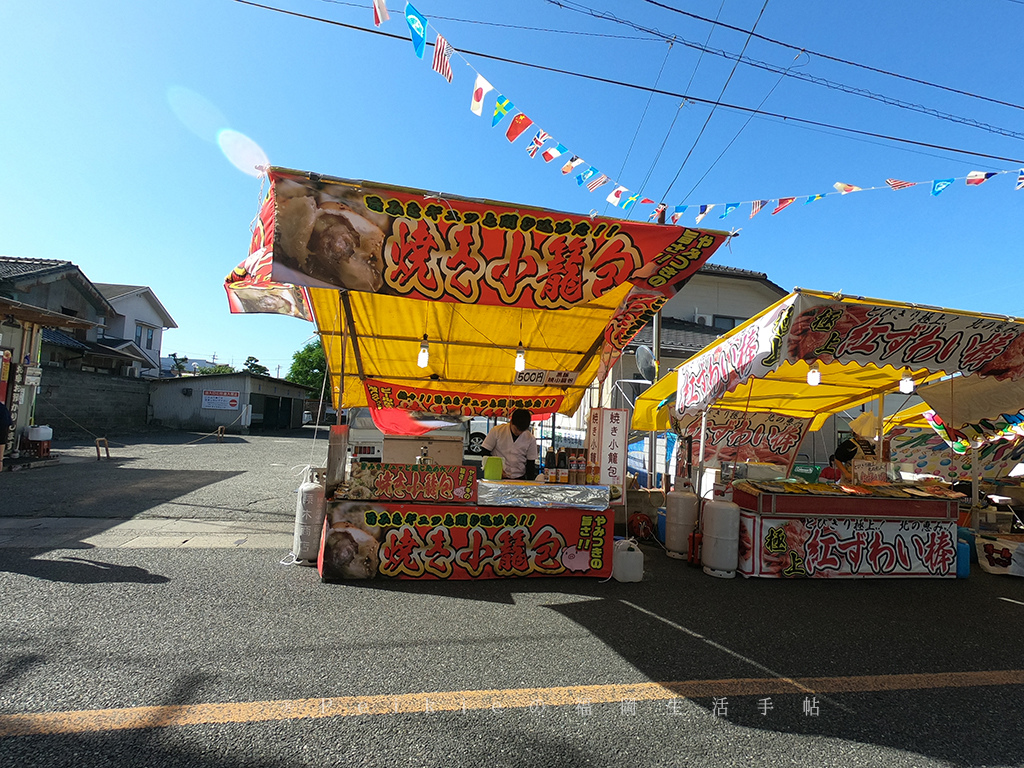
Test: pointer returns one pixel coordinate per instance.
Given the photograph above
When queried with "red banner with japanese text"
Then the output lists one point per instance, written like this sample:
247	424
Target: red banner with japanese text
361	236
845	547
251	287
385	395
412	482
365	540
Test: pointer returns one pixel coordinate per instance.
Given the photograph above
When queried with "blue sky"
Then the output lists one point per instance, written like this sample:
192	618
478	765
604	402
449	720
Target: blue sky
111	111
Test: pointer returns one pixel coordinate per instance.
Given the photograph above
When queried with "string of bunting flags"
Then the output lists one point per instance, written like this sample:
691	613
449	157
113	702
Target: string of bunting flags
593	179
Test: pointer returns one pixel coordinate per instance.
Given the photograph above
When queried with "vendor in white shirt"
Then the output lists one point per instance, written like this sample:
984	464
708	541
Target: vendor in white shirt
515	443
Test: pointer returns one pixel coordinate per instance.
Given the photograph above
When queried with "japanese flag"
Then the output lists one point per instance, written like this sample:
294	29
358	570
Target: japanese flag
480	89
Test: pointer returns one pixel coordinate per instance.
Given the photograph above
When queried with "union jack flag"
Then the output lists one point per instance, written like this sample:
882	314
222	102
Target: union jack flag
756	206
537	143
442	58
1020	180
897	184
598	181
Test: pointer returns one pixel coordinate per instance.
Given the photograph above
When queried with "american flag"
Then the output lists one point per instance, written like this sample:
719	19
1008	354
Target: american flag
897	184
442	55
756	206
537	143
597	181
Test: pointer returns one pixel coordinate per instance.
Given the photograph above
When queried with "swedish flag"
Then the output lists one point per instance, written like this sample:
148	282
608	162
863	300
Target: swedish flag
501	108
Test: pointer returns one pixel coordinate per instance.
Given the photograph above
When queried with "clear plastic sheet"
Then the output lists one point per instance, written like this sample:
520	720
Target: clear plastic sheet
518	493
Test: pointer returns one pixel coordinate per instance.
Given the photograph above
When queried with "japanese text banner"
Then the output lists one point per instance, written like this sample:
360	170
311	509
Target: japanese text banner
384	395
765	438
365	237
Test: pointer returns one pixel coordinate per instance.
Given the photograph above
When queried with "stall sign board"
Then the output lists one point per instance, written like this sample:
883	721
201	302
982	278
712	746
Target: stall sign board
608	448
412	482
781	547
221	400
540	378
365	540
1000	556
731	436
387	395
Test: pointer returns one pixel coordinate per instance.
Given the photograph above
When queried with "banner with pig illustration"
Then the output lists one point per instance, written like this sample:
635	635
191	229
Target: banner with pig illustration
364	540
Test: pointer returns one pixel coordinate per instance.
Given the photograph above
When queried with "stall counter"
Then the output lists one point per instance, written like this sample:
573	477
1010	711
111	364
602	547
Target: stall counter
801	534
383	539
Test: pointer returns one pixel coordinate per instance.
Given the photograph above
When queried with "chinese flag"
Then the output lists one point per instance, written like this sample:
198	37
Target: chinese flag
519	124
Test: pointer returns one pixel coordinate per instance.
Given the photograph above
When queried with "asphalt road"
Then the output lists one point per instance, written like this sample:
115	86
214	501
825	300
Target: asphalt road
153	657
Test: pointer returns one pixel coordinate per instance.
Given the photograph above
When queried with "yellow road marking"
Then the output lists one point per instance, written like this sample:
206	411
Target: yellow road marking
87	721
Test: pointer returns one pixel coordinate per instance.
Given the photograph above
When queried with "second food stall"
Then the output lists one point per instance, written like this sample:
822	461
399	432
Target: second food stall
764	385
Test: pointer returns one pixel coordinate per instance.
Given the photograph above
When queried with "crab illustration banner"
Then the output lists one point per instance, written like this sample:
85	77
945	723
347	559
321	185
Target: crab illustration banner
336	233
812	328
767	438
846	548
365	540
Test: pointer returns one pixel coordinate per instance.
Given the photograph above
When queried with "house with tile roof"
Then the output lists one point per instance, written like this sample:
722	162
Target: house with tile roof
139	321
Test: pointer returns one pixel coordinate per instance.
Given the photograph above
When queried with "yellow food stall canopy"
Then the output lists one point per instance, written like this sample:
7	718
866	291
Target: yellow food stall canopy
859	348
386	272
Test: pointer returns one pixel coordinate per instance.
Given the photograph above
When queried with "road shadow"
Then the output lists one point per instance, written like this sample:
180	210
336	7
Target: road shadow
74	570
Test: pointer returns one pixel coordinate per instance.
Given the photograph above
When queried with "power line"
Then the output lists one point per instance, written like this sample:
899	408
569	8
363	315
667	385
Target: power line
839	60
803	76
712	112
647	89
363	7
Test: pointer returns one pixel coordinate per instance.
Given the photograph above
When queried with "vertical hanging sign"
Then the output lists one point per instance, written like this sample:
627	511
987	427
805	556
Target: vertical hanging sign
607	438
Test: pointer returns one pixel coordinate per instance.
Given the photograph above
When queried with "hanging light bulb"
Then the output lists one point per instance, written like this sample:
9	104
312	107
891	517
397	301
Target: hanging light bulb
814	375
423	358
520	358
907	384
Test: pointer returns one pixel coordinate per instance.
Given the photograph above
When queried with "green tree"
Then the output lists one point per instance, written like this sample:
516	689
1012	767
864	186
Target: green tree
309	365
178	364
252	365
216	369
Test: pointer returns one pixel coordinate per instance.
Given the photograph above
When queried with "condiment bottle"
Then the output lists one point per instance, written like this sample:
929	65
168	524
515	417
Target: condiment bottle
550	466
563	466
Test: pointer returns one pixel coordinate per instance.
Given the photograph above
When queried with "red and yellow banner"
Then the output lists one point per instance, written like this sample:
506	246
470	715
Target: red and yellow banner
418	541
384	395
363	237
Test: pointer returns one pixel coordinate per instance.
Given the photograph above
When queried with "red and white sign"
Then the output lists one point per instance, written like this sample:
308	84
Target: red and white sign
731	436
846	548
221	400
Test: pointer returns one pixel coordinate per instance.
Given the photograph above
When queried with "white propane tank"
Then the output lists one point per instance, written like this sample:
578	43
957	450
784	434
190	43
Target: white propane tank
720	525
310	509
681	509
627	561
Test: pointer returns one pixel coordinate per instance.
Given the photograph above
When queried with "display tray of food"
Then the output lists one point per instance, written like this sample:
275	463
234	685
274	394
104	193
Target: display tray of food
923	501
521	493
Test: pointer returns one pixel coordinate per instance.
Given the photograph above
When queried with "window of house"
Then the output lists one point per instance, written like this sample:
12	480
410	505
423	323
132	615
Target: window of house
149	338
724	322
138	334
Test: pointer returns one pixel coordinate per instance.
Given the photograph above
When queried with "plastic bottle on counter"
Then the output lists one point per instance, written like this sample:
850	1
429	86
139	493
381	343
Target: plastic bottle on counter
550	466
574	468
563	466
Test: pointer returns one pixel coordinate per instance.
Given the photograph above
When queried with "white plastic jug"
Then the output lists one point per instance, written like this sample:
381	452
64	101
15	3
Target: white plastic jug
627	561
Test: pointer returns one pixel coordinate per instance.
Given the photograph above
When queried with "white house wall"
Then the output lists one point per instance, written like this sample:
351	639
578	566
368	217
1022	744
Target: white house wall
137	309
720	295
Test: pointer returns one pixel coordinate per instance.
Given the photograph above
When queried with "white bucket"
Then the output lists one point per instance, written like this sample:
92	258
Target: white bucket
627	561
40	434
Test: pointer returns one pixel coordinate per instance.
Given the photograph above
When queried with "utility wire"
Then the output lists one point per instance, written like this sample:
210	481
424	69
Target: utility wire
803	76
712	112
838	60
647	89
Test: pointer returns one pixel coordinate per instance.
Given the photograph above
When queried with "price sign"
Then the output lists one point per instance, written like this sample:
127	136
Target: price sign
546	378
